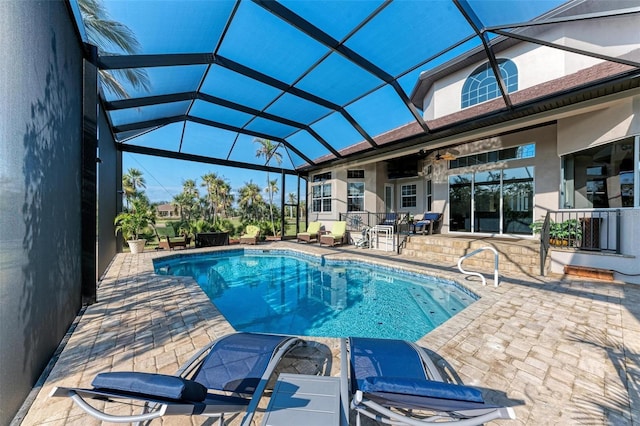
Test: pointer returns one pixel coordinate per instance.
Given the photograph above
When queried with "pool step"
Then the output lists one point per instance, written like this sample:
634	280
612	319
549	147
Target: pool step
517	256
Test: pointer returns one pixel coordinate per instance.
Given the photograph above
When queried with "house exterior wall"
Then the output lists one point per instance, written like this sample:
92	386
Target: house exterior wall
420	195
612	122
443	98
40	201
546	163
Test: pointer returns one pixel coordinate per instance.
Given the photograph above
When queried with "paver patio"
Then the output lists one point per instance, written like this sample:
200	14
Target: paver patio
566	351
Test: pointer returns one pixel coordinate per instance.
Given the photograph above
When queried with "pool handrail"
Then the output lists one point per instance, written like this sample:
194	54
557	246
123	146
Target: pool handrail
495	270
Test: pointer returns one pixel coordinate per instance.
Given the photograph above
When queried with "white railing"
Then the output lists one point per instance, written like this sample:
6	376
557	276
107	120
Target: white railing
495	270
381	237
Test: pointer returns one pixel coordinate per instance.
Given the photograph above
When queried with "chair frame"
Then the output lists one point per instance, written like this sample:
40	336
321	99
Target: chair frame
310	236
331	239
155	407
369	408
433	225
170	245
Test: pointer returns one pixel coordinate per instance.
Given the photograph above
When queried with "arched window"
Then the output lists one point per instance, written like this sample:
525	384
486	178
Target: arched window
482	85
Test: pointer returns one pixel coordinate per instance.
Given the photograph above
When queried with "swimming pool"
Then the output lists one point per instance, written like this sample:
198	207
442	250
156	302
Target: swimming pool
280	291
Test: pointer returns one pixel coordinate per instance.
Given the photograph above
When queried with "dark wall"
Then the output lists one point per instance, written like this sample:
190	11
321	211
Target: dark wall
109	200
40	190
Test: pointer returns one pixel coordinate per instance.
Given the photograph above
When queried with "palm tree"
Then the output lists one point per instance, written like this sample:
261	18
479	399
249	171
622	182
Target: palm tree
103	32
210	182
181	204
225	197
189	198
269	151
250	200
134	179
131	182
272	189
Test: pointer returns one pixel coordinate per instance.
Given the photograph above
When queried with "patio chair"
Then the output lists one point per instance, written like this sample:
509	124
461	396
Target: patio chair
336	236
251	235
171	240
229	375
311	234
429	223
389	379
390	218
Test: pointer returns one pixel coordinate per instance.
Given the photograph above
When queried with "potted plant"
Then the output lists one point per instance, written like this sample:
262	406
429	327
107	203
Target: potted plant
132	223
567	233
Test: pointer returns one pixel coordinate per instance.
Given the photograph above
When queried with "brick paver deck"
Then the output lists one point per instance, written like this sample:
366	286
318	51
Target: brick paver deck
565	351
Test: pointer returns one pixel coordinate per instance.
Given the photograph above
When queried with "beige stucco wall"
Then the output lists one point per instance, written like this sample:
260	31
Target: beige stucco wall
613	121
538	64
372	182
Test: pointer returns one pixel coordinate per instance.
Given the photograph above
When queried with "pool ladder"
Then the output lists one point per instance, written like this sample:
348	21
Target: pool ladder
495	269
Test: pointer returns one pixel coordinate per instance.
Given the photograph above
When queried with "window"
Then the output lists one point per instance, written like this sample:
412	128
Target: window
600	177
321	177
409	196
429	193
355	197
321	197
482	85
515	153
355	174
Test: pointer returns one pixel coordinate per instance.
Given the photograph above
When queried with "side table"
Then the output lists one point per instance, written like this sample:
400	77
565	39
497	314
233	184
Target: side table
300	399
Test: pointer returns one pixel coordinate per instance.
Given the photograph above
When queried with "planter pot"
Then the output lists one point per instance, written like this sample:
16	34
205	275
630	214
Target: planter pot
561	242
136	246
558	242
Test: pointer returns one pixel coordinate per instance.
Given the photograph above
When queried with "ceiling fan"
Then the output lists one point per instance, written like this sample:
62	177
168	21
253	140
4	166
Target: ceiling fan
449	154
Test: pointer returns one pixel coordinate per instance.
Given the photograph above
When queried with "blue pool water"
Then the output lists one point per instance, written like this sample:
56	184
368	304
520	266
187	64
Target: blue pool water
282	292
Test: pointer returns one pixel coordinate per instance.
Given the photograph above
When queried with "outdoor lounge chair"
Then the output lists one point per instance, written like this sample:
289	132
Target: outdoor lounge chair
429	223
171	240
336	236
312	232
251	235
389	379
227	376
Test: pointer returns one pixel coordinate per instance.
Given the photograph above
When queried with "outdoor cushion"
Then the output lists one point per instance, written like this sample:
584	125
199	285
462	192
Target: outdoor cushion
431	216
160	385
418	387
383	358
165	231
238	362
251	231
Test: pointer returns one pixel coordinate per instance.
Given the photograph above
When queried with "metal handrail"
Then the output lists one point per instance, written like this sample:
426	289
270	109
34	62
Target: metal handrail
495	270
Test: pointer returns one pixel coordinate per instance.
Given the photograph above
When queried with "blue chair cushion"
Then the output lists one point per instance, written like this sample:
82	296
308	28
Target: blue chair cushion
383	358
237	362
417	387
159	385
431	216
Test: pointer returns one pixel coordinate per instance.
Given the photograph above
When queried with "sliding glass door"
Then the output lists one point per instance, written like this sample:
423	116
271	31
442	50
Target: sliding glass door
517	194
486	199
493	202
460	202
